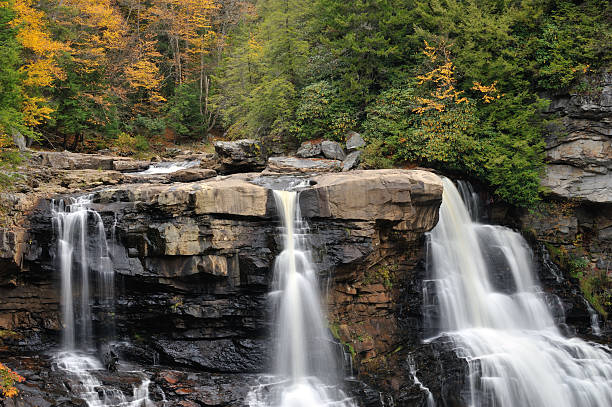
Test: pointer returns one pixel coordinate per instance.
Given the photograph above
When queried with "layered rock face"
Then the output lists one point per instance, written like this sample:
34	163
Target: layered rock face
579	144
573	227
193	263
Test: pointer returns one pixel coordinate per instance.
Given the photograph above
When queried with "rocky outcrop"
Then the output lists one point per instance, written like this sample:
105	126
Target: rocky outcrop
240	156
302	165
354	141
572	241
192	175
579	144
193	263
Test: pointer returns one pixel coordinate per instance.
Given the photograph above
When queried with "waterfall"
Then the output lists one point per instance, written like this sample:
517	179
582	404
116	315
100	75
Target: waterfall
489	303
84	262
305	371
413	371
82	253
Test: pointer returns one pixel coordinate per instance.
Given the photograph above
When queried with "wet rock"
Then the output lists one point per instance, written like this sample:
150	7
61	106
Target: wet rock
302	165
355	141
240	156
188	389
192	174
332	150
351	161
309	149
439	369
229	356
109	358
172	151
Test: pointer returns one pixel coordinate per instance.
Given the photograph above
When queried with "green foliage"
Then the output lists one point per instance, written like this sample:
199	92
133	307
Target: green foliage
11	116
182	113
10	77
291	70
261	78
573	37
578	266
127	143
319	114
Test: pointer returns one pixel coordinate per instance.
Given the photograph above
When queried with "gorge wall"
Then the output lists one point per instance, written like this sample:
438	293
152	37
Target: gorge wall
193	263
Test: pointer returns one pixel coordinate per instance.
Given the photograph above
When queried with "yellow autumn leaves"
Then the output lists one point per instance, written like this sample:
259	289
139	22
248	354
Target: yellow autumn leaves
40	66
442	77
119	42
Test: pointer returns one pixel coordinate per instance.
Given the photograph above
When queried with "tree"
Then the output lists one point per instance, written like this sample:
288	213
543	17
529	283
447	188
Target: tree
265	68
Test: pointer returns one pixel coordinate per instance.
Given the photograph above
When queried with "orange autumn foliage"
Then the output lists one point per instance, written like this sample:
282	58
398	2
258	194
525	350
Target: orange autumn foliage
8	378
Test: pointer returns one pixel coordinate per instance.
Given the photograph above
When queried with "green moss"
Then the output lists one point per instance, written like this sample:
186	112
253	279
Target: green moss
594	287
334	328
8	334
382	274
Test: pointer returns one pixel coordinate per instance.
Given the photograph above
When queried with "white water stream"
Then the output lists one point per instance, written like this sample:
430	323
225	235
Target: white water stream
84	262
491	306
305	371
168	167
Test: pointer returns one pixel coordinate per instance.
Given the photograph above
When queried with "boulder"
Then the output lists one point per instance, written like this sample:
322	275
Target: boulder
239	156
128	165
396	195
309	149
65	160
351	161
292	164
355	141
332	150
87	179
231	196
192	174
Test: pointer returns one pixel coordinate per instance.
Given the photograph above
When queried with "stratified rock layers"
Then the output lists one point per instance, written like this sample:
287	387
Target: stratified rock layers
579	145
193	267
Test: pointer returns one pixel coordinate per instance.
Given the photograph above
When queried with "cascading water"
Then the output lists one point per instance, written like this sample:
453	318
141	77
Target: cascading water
489	303
168	167
305	369
82	254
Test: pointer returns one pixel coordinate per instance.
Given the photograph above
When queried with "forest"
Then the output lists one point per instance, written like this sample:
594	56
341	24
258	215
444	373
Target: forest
460	86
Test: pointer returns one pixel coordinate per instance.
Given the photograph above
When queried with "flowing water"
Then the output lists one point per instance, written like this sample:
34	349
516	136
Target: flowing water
84	262
82	254
490	304
168	167
305	371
